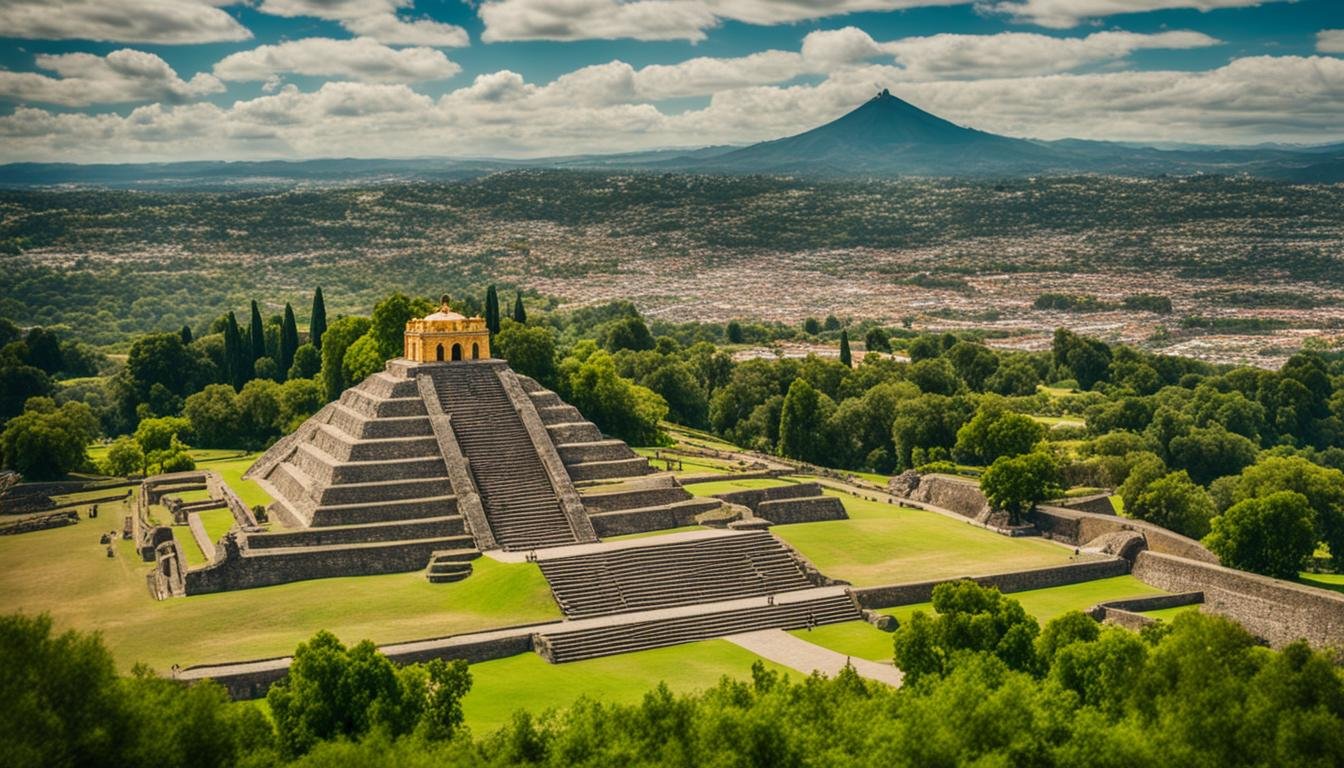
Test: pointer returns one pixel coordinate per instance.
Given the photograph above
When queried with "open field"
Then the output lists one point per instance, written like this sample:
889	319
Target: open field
1167	614
726	486
863	640
64	572
232	471
1333	581
888	544
217	522
527	681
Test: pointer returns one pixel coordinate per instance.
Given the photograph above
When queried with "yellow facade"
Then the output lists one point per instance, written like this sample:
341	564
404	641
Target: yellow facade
445	336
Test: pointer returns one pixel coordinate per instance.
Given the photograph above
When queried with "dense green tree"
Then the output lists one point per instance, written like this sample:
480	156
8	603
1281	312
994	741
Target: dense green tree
1176	503
927	421
1087	360
626	333
1270	534
215	419
362	360
186	335
388	325
259	411
44	350
265	368
973	362
995	431
161	358
1145	468
877	340
733	332
617	405
317	320
236	353
970	619
124	458
46	442
256	333
529	350
519	314
811	326
1211	452
1323	488
157	434
307	363
935	376
299	399
336	342
846	357
492	310
686	401
1015	376
804	423
289	342
1015	484
17	384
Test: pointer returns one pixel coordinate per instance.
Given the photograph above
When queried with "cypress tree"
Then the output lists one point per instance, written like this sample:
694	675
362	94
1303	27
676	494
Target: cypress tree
258	333
235	356
845	357
519	314
317	324
186	335
492	310
289	340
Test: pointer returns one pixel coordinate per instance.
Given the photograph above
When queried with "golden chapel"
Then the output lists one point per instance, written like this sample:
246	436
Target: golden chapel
446	336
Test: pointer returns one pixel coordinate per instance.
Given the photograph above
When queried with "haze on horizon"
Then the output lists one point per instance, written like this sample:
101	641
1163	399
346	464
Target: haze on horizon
165	80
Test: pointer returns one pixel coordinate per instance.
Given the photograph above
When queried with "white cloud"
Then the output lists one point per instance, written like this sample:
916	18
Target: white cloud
658	19
1249	100
362	59
1011	54
1063	14
122	76
595	19
165	22
378	19
1330	41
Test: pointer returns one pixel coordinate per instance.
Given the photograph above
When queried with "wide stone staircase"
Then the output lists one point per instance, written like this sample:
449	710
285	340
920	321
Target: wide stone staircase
656	629
520	501
702	570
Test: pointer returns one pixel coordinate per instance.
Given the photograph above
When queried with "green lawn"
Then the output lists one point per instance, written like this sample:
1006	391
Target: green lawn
888	544
64	572
690	465
186	544
1167	614
863	640
1333	581
526	681
190	496
725	486
217	522
232	471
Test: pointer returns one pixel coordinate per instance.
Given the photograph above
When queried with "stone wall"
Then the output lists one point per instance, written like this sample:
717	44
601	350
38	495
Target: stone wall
644	496
250	680
1097	504
752	497
953	494
1078	528
808	510
1015	581
240	568
645	519
1277	611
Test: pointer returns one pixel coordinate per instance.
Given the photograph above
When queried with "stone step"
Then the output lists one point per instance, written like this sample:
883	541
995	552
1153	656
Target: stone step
599	450
608	470
390	490
714	621
653	518
343	447
372	406
385	511
574	432
362	427
363	533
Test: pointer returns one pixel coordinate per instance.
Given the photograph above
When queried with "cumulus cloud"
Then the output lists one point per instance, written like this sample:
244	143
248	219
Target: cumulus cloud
122	76
165	22
1330	41
658	19
502	114
362	58
1010	54
1063	14
378	19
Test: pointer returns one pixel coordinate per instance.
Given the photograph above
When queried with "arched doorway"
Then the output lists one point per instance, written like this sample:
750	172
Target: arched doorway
475	351
439	357
457	352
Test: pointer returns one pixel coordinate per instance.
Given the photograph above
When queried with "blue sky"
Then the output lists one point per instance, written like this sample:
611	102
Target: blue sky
118	80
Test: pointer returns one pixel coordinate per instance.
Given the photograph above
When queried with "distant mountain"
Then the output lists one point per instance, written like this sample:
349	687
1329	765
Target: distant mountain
884	137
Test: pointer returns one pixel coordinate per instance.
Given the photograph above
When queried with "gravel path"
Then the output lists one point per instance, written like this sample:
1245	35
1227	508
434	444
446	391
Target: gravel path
794	652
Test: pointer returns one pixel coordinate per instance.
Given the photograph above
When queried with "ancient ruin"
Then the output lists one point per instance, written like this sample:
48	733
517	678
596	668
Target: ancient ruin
448	454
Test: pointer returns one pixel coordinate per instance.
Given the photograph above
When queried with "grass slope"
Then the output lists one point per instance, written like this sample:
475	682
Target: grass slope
64	572
725	486
887	544
528	682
